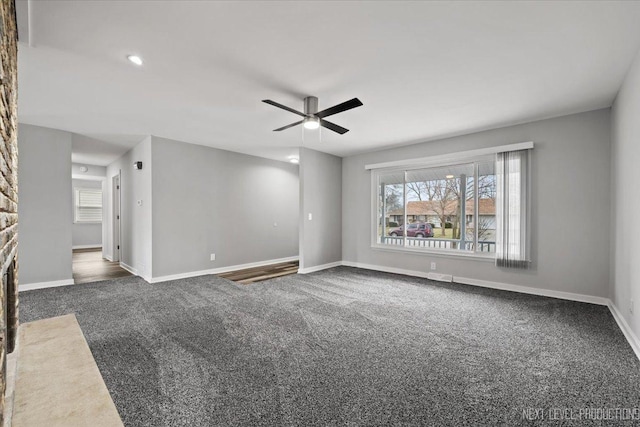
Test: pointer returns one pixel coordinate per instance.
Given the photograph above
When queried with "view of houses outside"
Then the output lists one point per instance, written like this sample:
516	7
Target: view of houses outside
445	198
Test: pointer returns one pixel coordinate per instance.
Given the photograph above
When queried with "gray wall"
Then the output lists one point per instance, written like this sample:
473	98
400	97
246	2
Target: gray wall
135	221
625	253
208	201
570	212
45	205
321	196
85	234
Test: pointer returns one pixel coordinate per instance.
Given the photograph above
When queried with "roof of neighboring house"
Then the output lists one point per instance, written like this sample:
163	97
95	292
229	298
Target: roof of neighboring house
434	207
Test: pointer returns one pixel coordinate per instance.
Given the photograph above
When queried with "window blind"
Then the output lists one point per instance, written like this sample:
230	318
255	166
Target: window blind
88	205
512	209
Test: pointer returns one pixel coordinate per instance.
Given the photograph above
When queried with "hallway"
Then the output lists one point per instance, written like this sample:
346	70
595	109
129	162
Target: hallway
89	266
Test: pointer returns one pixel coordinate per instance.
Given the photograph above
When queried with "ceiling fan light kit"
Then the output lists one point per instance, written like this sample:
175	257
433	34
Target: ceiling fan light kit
313	119
311	123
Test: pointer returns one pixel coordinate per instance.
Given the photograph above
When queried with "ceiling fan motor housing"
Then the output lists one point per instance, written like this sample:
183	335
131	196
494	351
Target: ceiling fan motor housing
310	105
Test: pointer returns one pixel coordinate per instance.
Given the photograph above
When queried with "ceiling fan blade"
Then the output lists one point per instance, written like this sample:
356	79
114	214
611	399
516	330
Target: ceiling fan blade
284	107
347	105
288	126
334	127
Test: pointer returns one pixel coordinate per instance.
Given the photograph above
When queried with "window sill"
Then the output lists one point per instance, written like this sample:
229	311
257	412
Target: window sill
439	253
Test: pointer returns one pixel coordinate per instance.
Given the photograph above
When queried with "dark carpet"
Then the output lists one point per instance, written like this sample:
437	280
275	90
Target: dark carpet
344	347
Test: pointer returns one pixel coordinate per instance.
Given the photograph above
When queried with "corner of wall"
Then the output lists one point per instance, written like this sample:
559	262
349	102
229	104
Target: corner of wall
624	282
320	209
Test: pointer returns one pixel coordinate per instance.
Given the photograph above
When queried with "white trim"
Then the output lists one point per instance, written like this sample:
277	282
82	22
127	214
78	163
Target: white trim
440	277
452	253
385	269
319	267
108	258
87	247
130	269
487	284
532	291
42	285
626	330
425	161
218	270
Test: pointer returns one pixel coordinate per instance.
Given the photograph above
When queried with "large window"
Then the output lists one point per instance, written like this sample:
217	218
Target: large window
450	208
88	205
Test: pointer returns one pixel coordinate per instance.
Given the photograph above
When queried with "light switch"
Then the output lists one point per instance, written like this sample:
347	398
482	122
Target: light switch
310	217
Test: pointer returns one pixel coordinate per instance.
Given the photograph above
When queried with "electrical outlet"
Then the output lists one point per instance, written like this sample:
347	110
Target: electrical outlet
433	265
310	217
631	306
213	257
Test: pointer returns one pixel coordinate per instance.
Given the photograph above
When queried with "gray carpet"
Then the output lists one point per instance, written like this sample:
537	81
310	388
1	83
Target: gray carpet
342	347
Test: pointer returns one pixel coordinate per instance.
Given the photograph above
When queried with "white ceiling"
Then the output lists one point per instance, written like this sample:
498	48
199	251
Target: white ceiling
97	151
423	70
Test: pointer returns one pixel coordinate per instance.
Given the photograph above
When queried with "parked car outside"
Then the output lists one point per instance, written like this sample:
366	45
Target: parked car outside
417	229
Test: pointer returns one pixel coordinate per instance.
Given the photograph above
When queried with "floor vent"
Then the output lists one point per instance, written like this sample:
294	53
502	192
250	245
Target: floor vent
440	277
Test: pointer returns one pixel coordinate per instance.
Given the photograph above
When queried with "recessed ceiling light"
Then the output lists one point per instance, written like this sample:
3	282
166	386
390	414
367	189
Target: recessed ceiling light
294	159
135	59
311	123
449	176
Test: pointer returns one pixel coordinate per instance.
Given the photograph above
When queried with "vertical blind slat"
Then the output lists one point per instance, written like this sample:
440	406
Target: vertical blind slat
512	180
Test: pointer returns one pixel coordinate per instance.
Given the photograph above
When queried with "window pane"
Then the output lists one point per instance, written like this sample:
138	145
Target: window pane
437	196
390	212
486	207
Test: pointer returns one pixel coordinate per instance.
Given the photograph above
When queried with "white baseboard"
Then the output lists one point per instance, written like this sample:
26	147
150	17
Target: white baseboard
42	285
319	267
532	291
108	258
626	330
386	269
87	247
129	268
440	277
218	270
487	284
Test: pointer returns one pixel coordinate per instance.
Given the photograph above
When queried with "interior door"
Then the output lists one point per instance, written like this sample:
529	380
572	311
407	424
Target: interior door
116	217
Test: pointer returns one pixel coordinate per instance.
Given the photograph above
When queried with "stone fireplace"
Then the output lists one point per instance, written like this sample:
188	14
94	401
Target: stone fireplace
8	188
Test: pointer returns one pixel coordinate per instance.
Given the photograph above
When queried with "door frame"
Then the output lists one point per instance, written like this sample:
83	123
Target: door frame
116	216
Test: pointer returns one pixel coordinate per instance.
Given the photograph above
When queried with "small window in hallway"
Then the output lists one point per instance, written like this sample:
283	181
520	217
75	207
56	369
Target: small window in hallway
88	205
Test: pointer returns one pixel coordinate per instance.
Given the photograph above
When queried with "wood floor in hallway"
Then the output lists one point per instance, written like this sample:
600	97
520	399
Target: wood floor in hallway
89	266
258	274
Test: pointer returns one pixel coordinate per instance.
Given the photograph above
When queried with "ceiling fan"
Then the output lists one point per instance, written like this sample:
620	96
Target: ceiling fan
314	118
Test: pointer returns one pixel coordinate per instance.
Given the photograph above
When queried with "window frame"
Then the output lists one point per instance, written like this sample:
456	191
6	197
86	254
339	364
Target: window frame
76	192
457	160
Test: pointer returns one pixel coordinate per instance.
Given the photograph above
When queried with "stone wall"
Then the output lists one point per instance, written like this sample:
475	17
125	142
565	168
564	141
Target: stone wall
8	187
